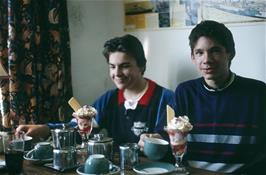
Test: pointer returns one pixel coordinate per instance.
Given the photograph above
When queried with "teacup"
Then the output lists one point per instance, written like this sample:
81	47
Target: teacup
155	148
43	150
97	164
28	143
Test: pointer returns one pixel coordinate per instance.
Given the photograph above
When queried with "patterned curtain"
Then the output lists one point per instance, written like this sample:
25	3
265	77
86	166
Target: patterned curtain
34	49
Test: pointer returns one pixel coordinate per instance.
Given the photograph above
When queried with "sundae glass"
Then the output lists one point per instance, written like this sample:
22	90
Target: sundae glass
84	116
177	130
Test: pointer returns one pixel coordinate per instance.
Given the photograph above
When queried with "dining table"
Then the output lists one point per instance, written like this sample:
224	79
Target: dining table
32	169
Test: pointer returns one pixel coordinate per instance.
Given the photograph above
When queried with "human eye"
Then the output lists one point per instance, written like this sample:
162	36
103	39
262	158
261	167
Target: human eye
216	50
198	53
125	66
111	66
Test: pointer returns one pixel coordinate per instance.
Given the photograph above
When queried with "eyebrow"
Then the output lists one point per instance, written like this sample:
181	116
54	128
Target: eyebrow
122	64
212	48
217	47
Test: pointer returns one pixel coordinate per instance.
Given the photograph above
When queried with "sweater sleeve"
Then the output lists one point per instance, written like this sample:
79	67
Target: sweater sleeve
101	105
167	98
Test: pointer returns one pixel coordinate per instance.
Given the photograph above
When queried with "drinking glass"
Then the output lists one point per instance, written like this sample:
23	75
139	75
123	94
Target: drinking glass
178	142
14	149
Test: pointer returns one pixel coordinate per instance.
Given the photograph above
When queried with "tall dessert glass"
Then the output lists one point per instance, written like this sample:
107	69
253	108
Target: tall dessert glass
82	151
177	131
84	118
85	131
178	143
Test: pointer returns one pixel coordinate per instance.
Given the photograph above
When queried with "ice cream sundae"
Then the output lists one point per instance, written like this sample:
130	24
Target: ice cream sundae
84	117
181	124
178	129
85	112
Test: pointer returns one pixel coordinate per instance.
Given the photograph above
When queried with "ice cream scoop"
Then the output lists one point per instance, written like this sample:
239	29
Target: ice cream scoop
85	111
180	123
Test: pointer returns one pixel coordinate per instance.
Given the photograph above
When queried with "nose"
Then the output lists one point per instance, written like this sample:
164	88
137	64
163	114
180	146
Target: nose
207	57
117	71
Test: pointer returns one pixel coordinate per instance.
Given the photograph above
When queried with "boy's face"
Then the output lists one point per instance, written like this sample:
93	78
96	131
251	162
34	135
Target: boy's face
83	123
211	59
123	70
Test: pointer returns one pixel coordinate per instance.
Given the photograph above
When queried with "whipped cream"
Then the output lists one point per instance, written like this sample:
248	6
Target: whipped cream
180	123
85	112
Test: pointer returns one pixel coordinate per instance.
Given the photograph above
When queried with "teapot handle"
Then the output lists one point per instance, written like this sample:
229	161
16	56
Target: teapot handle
65	126
98	137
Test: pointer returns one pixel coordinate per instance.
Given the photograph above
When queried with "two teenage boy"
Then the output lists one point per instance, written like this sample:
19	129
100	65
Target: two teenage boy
228	111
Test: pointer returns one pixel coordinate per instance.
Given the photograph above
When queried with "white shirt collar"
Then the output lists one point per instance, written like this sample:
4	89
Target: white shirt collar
232	78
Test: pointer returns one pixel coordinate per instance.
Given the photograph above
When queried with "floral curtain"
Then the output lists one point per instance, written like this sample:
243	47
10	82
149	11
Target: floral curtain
34	49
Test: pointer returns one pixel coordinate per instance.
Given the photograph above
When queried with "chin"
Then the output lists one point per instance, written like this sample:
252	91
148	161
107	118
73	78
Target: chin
120	86
208	77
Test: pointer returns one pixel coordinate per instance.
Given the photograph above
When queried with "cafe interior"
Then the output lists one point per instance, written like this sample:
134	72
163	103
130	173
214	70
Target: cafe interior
52	69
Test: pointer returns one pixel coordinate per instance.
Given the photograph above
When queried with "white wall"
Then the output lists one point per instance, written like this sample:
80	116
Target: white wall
93	22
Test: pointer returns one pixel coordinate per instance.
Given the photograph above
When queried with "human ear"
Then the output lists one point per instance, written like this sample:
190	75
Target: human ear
192	57
230	56
142	69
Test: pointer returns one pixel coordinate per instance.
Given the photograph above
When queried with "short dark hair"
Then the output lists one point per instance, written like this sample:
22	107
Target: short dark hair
128	44
216	31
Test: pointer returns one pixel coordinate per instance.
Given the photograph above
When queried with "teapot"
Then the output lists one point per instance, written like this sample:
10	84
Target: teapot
65	137
64	152
101	145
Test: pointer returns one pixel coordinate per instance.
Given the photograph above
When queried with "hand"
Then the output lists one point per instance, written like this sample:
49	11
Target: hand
147	135
35	131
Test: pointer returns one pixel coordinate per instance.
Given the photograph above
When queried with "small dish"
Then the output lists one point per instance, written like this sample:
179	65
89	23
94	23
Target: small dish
154	168
51	166
30	157
115	169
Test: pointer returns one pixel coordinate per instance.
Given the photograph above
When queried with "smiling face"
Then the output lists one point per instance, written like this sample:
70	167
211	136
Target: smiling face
124	71
212	60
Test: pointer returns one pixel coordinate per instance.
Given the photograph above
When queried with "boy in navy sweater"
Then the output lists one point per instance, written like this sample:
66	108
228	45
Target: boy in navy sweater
137	105
228	111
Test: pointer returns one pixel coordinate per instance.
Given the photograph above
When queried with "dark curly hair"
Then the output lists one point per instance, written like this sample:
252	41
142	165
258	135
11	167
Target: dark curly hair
128	44
216	31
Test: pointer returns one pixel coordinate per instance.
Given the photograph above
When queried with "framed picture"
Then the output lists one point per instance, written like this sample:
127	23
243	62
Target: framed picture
234	11
158	14
147	14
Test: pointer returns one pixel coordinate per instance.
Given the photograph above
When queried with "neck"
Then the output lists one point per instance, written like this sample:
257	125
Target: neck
220	82
134	92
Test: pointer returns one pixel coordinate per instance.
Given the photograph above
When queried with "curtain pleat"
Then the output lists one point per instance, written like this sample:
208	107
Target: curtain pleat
34	48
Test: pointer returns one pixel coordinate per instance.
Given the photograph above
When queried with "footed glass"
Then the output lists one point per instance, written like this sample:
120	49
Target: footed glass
84	129
178	141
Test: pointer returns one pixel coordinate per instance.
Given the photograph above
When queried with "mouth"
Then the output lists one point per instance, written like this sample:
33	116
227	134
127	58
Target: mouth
208	70
119	80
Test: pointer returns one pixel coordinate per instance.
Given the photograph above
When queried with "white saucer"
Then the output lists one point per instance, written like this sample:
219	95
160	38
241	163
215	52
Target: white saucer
50	165
30	157
115	169
154	168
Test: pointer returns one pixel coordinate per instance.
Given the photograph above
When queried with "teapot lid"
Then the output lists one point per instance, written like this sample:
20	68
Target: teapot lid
99	138
65	128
